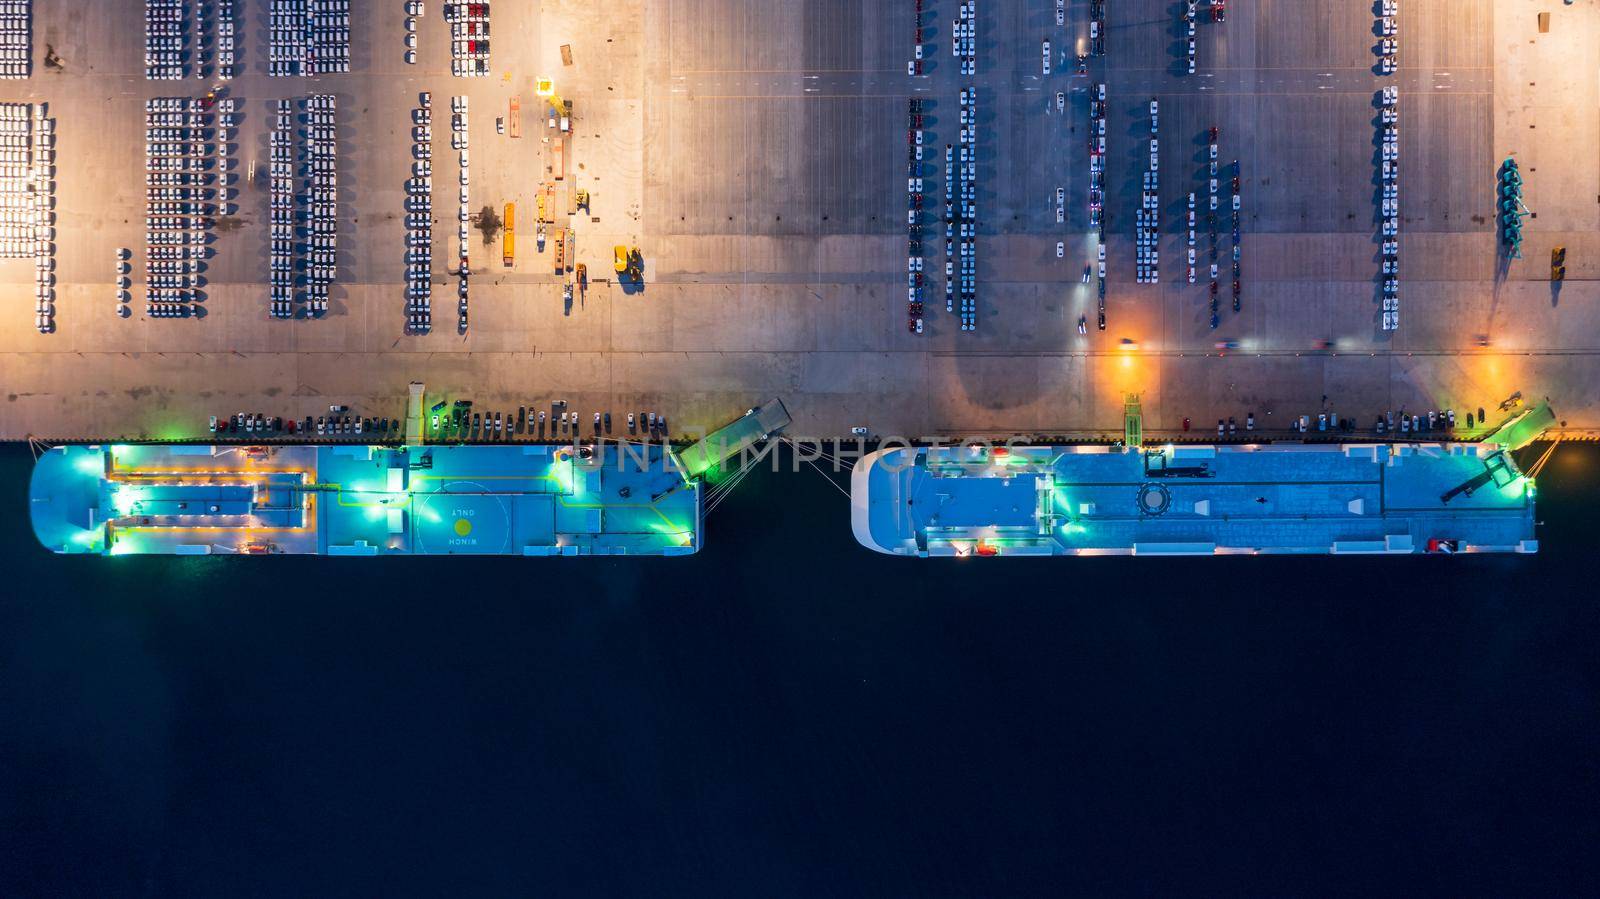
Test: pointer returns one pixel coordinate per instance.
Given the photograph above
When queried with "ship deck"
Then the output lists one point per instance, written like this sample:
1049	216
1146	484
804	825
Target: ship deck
363	500
1354	498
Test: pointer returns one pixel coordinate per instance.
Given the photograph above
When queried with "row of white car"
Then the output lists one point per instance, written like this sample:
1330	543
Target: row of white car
16	39
18	206
1211	218
1097	153
413	12
963	218
1389	200
1097	187
1147	245
914	200
321	201
43	154
166	24
227	37
419	221
458	139
308	37
214	40
303	196
964	37
180	200
1389	43
1189	16
282	209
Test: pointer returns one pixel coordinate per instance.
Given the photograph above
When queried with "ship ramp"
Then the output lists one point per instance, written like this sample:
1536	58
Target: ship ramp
414	434
754	426
1523	428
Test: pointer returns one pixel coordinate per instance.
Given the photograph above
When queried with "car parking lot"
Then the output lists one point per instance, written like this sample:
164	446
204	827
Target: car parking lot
16	39
752	151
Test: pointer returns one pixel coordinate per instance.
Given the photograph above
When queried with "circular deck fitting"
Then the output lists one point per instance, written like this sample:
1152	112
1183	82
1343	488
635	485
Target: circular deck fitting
1154	499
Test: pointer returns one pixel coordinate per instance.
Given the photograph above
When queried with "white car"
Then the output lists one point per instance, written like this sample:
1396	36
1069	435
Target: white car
1044	51
1061	101
1061	249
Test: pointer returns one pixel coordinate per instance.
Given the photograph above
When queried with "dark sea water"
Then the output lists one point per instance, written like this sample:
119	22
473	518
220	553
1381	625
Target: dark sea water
786	714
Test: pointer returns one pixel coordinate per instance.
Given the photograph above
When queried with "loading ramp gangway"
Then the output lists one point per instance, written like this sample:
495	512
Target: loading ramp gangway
1523	428
413	433
756	425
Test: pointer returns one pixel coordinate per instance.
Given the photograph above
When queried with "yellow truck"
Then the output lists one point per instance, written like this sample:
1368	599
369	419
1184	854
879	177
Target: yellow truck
626	261
508	235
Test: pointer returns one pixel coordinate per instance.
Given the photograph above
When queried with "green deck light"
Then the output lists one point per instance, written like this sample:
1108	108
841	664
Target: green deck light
683	535
562	472
123	500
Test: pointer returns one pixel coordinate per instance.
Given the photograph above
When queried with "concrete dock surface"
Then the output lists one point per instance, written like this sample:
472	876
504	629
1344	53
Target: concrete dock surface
753	151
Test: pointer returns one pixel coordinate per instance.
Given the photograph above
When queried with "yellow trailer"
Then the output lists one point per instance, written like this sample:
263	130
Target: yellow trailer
508	235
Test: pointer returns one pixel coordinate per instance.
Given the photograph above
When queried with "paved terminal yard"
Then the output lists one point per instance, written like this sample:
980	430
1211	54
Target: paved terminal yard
755	153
